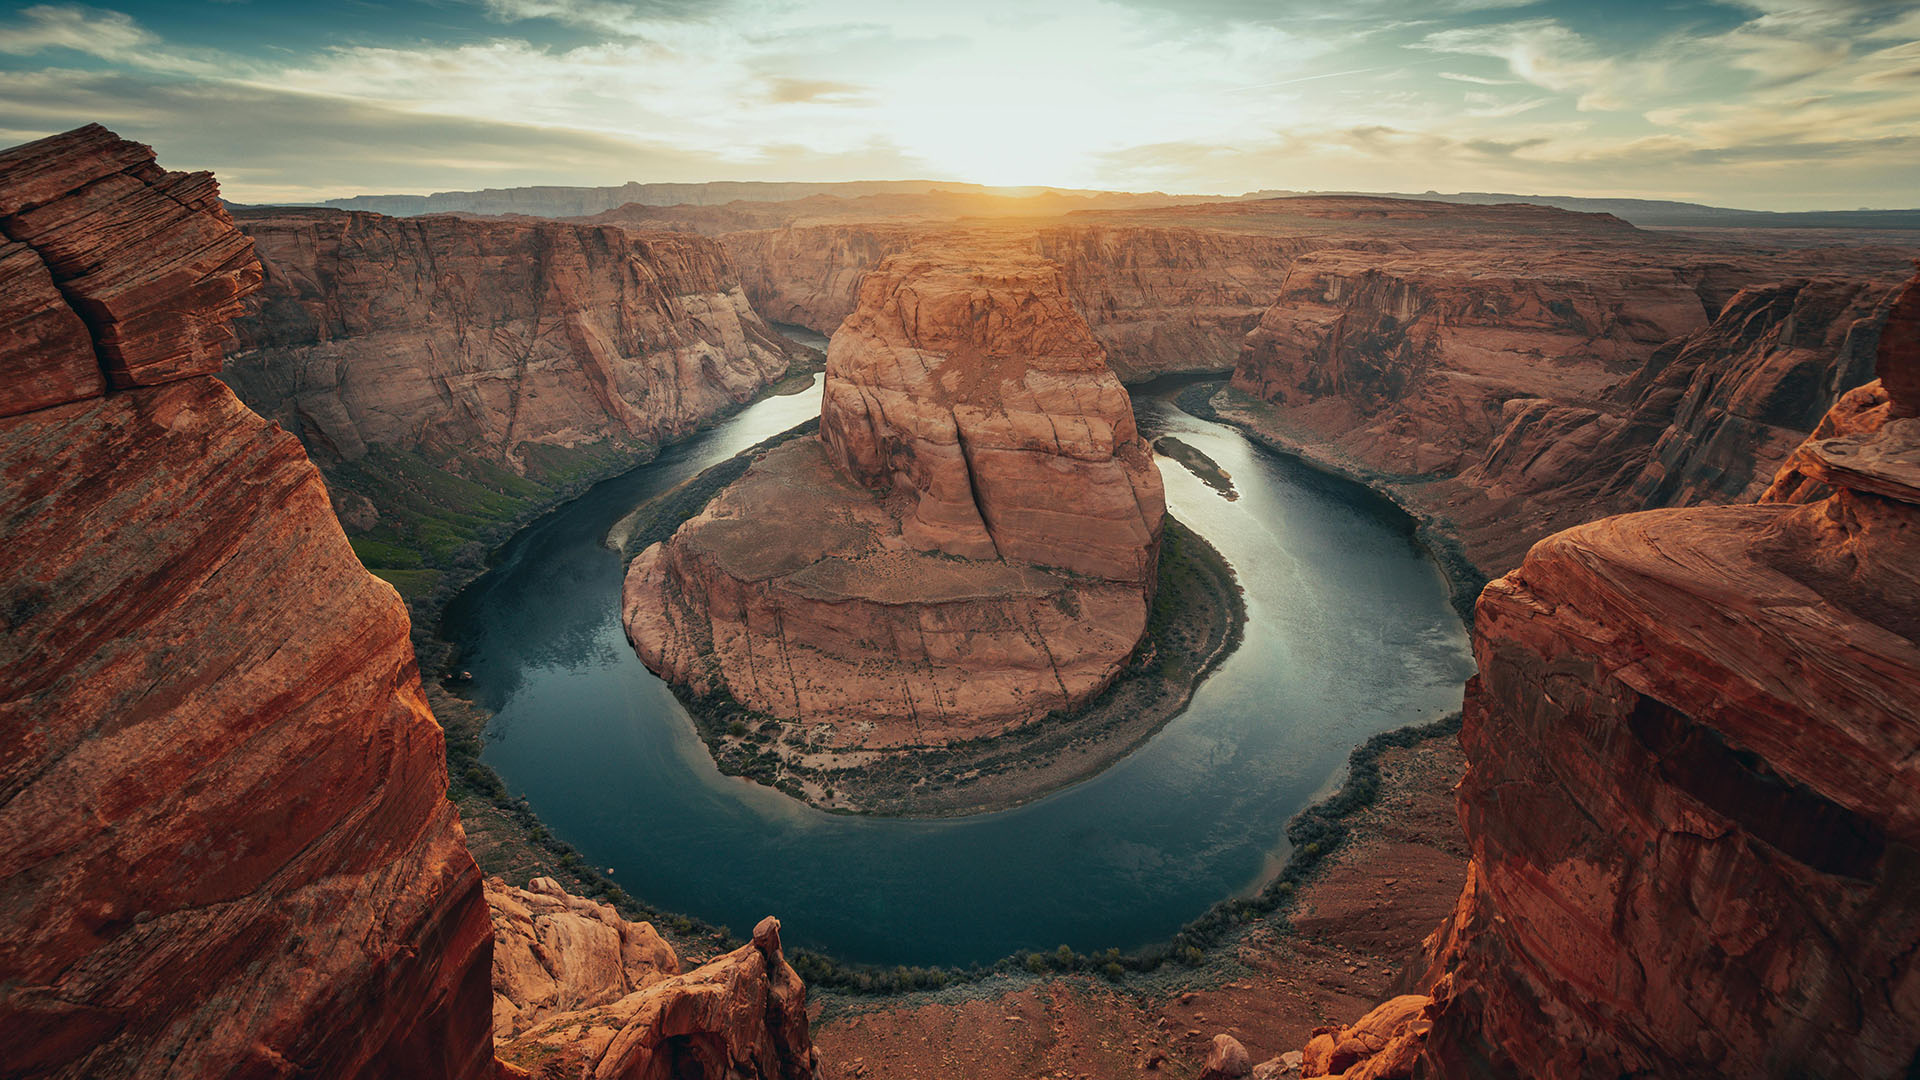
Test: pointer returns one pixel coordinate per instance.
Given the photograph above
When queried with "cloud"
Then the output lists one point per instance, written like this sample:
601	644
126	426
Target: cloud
785	91
110	35
1797	97
1552	57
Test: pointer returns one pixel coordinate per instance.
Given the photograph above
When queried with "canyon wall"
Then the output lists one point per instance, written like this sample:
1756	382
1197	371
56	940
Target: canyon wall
1157	299
969	544
227	845
1692	798
454	377
489	335
1508	394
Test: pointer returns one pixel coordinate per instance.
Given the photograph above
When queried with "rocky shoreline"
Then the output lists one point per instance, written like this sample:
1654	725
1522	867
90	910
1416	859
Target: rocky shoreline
1225	405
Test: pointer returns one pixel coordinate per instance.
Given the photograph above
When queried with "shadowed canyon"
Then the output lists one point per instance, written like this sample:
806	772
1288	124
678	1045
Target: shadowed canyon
1065	633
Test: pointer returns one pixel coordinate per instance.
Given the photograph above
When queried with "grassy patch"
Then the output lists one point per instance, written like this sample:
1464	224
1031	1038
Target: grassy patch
442	512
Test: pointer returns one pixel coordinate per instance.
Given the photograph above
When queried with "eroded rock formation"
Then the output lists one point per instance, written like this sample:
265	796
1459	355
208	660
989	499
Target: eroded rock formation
743	1015
556	953
226	847
970	543
225	840
1157	299
1691	797
486	336
1506	407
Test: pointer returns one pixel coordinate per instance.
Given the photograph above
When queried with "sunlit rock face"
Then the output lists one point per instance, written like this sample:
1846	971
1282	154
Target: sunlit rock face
1692	797
969	544
224	833
741	1016
1156	298
1513	391
486	336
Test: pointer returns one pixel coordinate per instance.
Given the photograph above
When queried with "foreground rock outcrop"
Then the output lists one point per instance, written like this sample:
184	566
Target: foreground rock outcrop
742	1016
224	833
579	991
555	953
969	544
1691	795
226	847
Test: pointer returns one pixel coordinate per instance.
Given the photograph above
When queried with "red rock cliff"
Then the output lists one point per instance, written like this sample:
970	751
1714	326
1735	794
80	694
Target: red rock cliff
1692	796
225	841
488	335
1007	573
1157	299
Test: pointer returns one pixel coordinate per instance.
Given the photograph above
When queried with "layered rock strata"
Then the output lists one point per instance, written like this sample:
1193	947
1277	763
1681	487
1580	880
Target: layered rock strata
224	833
1691	797
225	840
742	1016
556	953
1157	299
970	543
1506	396
487	336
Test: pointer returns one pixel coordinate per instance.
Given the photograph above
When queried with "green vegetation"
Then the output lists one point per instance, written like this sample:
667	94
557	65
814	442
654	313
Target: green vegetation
442	512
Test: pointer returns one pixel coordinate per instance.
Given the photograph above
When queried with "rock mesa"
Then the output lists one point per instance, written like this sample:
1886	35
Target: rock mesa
970	543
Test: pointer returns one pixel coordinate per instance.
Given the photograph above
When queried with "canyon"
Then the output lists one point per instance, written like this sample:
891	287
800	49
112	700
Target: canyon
1503	371
1687	823
969	544
268	878
453	376
1690	792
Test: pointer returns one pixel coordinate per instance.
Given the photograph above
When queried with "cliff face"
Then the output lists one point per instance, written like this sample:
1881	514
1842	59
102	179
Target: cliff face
1506	396
1692	798
224	833
489	335
811	276
1157	299
1002	570
1409	357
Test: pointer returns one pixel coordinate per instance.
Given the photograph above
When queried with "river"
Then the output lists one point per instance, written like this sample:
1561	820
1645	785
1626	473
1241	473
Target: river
1349	633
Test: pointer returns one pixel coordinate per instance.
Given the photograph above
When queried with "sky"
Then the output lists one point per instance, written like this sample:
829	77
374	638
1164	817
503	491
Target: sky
1769	104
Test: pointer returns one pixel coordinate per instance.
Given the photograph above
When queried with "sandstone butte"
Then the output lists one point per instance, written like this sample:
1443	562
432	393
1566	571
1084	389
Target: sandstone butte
1692	797
970	543
225	841
488	336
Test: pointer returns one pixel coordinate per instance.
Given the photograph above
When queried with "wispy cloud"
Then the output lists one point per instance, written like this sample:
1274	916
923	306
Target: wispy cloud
1782	100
